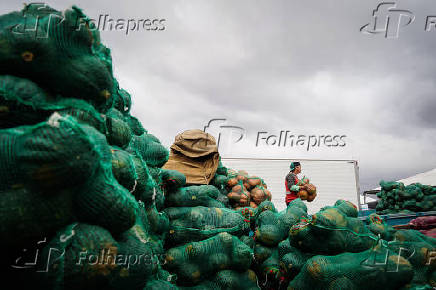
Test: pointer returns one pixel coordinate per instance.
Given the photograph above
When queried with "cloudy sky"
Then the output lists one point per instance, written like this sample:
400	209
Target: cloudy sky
301	66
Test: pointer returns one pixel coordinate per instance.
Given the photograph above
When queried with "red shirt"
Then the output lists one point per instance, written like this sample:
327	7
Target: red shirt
291	179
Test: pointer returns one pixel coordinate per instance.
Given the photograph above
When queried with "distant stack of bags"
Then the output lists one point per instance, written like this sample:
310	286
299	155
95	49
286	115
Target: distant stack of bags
396	197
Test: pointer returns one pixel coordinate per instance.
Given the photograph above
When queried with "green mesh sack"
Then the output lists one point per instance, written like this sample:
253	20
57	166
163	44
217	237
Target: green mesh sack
158	221
223	199
270	274
420	251
392	194
159	199
413	236
88	256
248	213
123	168
160	285
262	253
430	198
273	227
409	194
196	195
388	186
379	227
135	125
156	174
298	203
158	193
381	194
189	224
26	216
221	170
50	156
268	231
348	208
432	280
22	102
153	236
101	199
377	268
197	261
295	211
150	149
129	262
145	187
145	255
229	280
331	232
291	259
162	280
118	131
410	205
106	203
172	179
47	47
414	191
121	100
418	287
264	206
219	181
427	189
381	205
80	256
82	112
427	204
248	240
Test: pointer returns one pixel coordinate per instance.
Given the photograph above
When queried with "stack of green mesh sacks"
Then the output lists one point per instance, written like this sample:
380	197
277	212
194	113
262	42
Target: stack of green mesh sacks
395	197
333	249
342	252
80	177
203	246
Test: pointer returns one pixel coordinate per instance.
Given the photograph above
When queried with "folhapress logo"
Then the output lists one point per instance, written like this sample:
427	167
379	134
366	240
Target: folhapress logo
227	135
222	130
41	24
388	20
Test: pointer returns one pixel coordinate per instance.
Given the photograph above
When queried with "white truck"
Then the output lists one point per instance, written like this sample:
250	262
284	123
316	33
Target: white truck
334	179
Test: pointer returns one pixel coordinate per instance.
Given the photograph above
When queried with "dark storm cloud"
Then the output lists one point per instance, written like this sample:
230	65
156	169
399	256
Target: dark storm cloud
269	65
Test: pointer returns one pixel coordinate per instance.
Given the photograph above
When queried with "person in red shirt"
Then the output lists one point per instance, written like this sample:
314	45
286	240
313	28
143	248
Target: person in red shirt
291	182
